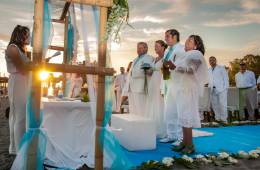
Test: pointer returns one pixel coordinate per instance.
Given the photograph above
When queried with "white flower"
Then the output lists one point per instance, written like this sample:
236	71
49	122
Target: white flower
255	152
168	161
235	122
199	157
206	160
186	158
253	155
205	124
223	155
215	123
232	160
211	157
243	154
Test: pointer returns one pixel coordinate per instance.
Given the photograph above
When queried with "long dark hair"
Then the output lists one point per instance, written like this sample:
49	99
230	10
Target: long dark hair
174	32
162	43
199	43
18	36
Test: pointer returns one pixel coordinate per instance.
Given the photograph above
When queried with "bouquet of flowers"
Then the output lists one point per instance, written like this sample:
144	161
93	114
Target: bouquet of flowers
165	72
145	67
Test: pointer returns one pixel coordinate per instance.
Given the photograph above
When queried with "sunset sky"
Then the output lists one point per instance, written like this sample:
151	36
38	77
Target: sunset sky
230	28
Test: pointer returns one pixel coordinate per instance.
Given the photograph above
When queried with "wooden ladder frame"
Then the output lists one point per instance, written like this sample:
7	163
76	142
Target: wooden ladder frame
100	70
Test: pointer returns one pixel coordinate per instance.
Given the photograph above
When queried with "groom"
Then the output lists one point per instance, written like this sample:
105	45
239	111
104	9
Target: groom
137	95
173	54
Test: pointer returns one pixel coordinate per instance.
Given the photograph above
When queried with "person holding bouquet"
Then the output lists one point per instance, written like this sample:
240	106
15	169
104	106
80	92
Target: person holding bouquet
137	81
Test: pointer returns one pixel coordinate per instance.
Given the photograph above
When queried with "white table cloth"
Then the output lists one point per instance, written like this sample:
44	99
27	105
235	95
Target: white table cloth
70	129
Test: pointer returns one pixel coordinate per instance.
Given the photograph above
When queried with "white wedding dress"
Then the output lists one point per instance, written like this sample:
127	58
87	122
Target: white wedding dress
155	101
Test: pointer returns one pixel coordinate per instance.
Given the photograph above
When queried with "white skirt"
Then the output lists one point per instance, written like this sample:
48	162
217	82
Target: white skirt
17	91
188	108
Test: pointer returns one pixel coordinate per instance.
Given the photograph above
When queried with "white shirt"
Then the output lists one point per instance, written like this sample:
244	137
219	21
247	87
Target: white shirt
258	80
136	74
218	78
245	80
120	82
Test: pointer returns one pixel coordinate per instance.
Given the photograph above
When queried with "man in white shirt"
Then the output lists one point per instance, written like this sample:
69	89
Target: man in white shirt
119	83
137	81
218	84
174	53
246	82
258	84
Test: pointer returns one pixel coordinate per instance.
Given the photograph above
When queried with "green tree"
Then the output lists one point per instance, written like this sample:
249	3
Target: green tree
252	62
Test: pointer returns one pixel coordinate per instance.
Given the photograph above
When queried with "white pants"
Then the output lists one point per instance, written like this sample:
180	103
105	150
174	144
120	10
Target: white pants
17	90
173	128
137	103
118	100
219	104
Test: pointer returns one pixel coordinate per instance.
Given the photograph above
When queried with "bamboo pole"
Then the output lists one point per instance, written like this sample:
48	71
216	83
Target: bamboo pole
65	10
52	47
66	68
101	3
58	21
65	55
102	45
36	84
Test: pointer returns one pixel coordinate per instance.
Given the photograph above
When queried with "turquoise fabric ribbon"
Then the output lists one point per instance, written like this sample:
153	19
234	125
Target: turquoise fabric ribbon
107	138
33	126
70	41
168	55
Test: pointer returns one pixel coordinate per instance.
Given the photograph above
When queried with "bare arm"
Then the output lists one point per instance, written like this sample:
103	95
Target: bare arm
14	55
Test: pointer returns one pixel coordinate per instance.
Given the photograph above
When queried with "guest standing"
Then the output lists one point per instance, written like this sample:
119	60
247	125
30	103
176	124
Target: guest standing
119	84
218	84
17	84
246	82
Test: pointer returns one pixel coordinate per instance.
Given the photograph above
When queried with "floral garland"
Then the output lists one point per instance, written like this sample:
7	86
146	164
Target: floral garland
118	14
234	123
221	159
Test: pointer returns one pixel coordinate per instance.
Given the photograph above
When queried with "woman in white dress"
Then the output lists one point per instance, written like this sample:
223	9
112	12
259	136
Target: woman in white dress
155	102
17	84
192	75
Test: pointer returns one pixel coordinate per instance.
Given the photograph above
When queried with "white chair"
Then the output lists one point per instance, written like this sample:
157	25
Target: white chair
134	132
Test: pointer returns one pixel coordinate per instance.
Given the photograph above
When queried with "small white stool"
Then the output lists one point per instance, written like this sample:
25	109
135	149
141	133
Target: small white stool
134	132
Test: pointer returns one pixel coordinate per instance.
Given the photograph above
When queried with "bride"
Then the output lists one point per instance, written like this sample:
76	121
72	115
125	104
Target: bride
155	102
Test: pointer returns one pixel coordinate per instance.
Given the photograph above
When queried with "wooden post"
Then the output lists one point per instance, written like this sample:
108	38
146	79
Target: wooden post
65	51
102	45
36	83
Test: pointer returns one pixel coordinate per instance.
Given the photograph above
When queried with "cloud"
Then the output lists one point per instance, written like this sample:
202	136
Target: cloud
218	1
181	7
147	19
154	31
3	44
250	4
235	19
